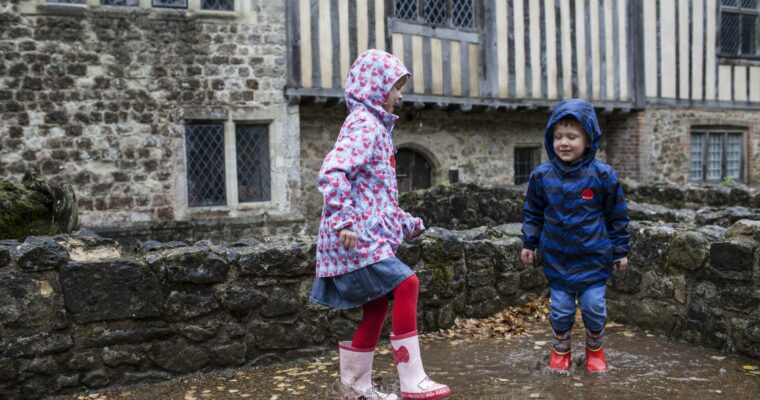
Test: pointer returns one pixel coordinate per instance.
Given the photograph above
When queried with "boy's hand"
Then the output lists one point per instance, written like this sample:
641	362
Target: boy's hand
348	238
527	256
620	265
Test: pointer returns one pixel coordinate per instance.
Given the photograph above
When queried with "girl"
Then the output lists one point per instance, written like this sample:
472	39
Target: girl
361	228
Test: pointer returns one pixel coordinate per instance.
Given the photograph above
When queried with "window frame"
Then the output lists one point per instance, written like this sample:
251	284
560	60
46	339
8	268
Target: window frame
193	6
232	196
420	20
740	11
725	132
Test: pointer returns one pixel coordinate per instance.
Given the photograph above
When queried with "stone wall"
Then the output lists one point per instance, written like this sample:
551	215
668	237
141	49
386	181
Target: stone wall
480	145
98	96
665	135
698	284
464	206
78	314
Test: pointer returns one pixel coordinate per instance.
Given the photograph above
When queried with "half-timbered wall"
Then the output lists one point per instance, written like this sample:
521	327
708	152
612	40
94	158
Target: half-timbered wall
535	50
681	52
620	54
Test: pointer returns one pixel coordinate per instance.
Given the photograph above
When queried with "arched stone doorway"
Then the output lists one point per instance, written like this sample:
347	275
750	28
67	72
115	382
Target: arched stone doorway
413	171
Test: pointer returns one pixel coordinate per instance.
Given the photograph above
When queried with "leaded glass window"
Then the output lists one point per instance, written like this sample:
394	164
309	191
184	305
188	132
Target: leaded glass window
526	159
218	5
733	156
170	3
130	3
462	13
67	1
252	144
716	154
450	13
205	165
739	27
695	170
436	12
406	9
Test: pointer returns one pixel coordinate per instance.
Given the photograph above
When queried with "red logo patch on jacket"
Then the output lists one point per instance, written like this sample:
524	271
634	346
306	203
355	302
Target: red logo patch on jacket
587	194
393	160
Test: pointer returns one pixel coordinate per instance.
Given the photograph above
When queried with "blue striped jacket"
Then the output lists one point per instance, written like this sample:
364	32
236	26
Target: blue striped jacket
575	216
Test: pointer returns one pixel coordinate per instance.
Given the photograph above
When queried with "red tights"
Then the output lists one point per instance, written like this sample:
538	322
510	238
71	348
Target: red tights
403	317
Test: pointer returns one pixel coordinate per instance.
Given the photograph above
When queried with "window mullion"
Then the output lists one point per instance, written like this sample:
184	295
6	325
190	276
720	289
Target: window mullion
723	156
230	162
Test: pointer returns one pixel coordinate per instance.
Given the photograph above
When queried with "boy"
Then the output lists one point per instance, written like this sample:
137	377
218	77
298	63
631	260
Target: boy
576	216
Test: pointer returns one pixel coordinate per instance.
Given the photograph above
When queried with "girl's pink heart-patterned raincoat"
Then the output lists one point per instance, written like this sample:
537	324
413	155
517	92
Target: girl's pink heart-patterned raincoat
358	177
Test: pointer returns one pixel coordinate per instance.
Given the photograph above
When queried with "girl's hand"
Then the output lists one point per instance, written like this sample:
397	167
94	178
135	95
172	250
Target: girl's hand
348	238
620	265
527	256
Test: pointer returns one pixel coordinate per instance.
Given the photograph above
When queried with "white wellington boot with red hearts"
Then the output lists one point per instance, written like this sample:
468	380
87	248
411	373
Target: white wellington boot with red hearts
415	384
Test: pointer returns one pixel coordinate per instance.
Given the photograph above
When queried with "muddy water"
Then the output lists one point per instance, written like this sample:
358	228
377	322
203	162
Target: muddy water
642	366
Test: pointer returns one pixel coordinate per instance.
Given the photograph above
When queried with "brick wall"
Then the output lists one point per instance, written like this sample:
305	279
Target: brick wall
622	144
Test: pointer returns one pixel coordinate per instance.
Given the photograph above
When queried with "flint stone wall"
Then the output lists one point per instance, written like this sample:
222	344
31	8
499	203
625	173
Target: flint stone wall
78	314
466	206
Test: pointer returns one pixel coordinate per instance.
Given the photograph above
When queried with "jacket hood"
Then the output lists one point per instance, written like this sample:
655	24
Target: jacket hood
369	81
584	112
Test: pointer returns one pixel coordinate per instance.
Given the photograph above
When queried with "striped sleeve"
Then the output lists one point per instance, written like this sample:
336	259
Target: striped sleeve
616	216
533	212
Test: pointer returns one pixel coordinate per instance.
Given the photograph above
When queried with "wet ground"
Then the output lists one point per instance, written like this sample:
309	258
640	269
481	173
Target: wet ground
642	366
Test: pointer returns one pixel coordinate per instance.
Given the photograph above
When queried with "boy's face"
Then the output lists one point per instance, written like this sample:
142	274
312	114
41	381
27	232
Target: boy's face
570	141
394	96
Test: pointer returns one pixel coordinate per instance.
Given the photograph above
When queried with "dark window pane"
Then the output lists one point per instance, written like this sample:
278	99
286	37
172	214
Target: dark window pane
406	9
436	11
67	1
218	5
728	2
131	3
749	3
749	34
729	33
252	144
462	13
526	159
205	165
170	3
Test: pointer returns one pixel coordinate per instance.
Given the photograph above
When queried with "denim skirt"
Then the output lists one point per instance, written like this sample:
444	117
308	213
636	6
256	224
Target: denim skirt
361	286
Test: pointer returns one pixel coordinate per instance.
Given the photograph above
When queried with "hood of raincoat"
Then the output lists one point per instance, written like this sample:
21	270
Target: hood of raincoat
582	111
370	80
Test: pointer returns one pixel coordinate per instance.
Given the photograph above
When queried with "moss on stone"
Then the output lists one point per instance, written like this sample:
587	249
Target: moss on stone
24	213
436	263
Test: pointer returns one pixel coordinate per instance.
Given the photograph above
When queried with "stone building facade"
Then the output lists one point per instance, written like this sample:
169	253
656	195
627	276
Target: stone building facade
101	96
169	118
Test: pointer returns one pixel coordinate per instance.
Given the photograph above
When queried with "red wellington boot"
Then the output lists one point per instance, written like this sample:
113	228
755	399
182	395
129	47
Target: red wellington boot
559	362
595	362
